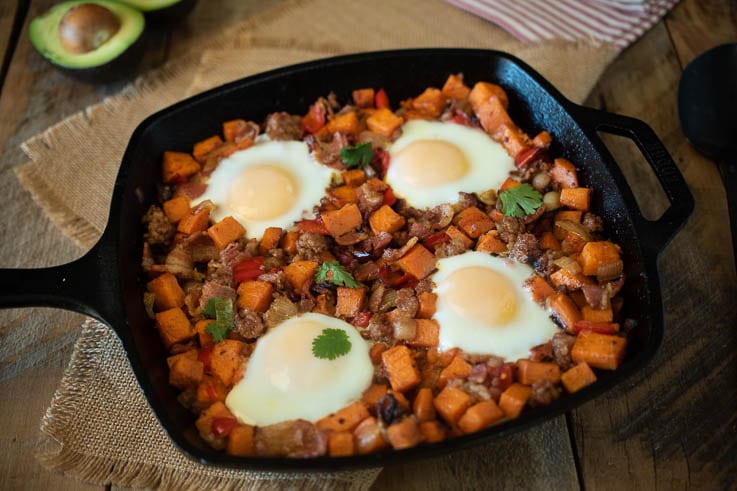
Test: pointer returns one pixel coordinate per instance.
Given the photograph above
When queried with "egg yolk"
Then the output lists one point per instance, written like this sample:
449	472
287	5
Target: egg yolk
430	163
480	294
262	192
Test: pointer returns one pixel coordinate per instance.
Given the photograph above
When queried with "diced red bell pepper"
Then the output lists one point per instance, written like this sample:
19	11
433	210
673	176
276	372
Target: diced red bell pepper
362	319
597	327
381	100
404	281
381	161
223	426
314	120
250	269
527	157
212	392
434	240
312	227
541	351
205	356
389	198
461	118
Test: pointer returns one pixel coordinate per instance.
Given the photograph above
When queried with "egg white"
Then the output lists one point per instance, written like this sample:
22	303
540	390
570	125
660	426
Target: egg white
289	158
284	380
488	164
521	324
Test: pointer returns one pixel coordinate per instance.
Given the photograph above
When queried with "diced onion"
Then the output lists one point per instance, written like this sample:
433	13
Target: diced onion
541	181
405	328
609	271
575	228
551	200
569	264
488	197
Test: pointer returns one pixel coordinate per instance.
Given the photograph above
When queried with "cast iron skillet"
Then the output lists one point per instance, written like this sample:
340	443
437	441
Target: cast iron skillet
107	282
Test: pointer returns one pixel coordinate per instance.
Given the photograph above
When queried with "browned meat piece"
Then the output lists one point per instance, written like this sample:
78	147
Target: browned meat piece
275	259
201	247
593	223
280	310
311	246
148	259
544	392
159	230
283	126
375	299
249	324
479	373
234	253
328	152
525	249
379	329
389	410
351	238
418	227
466	200
370	196
179	262
377	243
392	255
211	289
451	248
297	438
218	273
424	285
277	278
562	344
544	263
192	295
509	228
407	302
368	271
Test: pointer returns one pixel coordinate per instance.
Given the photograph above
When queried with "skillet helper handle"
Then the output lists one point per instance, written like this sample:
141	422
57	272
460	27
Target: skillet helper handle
654	234
73	286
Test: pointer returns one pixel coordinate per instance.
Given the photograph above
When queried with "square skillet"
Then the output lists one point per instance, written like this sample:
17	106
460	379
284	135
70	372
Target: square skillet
108	283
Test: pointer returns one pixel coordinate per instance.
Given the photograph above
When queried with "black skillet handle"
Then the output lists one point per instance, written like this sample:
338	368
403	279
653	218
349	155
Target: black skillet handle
82	286
654	234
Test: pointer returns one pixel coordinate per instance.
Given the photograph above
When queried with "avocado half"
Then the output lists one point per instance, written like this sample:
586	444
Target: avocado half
162	11
91	40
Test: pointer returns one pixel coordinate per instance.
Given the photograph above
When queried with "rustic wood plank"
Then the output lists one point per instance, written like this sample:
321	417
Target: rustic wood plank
8	12
695	27
672	425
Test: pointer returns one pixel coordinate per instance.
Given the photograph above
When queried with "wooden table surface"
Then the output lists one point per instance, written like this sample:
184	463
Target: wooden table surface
672	426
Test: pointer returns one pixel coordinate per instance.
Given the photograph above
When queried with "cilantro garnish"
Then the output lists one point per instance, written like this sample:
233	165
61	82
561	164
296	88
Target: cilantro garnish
357	157
520	201
331	344
221	310
333	272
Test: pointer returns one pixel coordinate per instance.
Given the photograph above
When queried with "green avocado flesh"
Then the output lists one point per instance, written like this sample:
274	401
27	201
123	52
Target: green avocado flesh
149	5
44	33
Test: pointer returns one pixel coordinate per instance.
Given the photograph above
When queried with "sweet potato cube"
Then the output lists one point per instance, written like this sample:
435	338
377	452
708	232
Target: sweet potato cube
565	310
373	394
227	358
345	419
401	368
299	273
427	302
491	243
270	240
451	403
202	148
204	337
514	398
431	102
548	241
576	198
354	177
289	242
186	372
340	444
604	351
404	434
255	295
386	220
195	221
458	368
427	334
479	416
542	140
340	222
539	288
473	222
419	262
455	88
493	116
529	371
344	123
234	127
368	437
432	431
578	377
167	292
597	315
176	208
514	140
226	231
174	326
564	173
343	195
571	281
240	441
204	422
383	122
178	166
363	98
350	301
454	233
596	254
483	91
422	406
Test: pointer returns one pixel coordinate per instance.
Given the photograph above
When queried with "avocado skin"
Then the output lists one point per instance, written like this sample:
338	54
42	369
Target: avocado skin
124	66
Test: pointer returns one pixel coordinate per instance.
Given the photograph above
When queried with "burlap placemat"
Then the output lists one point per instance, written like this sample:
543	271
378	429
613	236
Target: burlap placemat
71	174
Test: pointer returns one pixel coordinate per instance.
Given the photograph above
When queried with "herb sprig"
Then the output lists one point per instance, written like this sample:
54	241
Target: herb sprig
357	157
221	310
331	344
520	200
333	272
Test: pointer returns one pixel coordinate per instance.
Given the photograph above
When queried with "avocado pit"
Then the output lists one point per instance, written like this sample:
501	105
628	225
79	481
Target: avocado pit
86	27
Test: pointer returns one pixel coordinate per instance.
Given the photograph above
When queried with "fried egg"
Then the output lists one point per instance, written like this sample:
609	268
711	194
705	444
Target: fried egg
271	184
284	380
483	307
432	162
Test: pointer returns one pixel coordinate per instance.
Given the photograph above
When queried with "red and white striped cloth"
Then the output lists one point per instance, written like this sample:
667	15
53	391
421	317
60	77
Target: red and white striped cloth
619	22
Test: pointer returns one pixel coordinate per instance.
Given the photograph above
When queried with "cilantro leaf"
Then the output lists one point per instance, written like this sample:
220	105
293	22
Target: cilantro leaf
221	310
520	201
333	272
358	156
331	344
